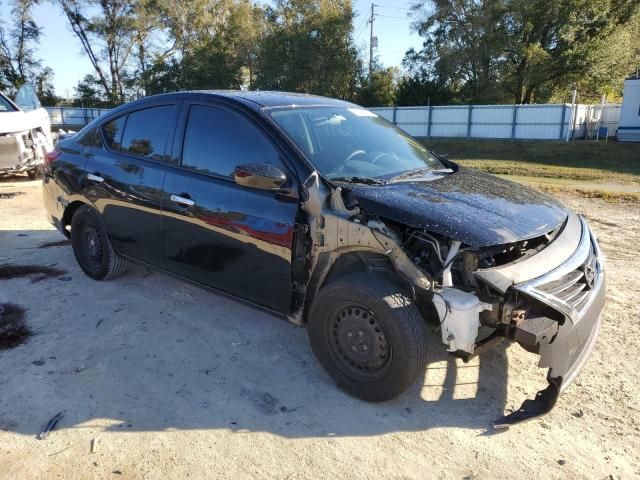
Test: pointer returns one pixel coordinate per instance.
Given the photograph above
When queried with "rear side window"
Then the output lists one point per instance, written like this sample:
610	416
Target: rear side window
113	132
146	132
91	139
217	141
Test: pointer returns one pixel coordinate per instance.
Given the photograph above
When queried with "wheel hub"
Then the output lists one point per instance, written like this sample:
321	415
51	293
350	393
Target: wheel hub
92	244
359	340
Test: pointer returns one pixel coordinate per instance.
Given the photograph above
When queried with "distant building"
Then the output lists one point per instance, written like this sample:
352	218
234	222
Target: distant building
629	129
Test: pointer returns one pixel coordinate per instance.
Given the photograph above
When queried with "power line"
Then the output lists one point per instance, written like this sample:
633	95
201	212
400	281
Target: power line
394	7
391	16
373	17
360	29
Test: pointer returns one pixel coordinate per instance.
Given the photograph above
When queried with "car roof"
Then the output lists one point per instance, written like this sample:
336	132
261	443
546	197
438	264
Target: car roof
255	100
270	99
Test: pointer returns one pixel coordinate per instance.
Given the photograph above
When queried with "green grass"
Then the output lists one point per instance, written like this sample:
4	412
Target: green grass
581	160
606	195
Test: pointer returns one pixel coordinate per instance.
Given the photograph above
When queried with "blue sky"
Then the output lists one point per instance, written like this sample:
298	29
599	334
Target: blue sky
60	49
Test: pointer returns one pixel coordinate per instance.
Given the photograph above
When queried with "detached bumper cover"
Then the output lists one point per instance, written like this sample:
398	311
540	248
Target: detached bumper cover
577	290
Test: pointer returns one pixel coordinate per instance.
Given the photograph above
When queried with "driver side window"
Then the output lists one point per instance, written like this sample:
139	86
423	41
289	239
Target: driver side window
217	140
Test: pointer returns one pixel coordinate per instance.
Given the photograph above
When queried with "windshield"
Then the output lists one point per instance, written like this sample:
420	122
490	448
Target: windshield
5	105
344	142
27	99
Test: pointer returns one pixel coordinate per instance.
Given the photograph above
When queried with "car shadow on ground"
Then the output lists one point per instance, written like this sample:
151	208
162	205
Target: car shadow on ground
148	352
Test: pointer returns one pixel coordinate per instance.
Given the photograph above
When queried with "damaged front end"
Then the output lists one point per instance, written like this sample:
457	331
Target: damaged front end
545	293
22	151
556	311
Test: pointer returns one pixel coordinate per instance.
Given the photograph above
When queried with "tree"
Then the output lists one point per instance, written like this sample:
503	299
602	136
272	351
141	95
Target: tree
107	38
44	87
309	48
612	60
419	89
548	42
222	54
89	93
518	50
461	46
18	64
379	89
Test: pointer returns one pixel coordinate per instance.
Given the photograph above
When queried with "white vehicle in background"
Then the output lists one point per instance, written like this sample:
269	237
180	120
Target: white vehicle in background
25	133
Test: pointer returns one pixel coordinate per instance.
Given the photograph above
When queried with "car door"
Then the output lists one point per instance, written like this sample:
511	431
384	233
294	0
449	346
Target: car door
124	180
223	235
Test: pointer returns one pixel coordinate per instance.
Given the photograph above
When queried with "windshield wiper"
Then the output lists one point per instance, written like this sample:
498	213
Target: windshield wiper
364	180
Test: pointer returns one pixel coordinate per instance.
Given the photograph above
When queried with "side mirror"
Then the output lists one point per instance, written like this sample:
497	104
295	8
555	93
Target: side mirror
262	176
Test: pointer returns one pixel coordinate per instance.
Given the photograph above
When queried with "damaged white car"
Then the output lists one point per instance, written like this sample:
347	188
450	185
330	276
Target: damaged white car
25	133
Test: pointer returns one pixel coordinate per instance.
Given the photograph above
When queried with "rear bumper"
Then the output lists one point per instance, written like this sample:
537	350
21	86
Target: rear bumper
55	201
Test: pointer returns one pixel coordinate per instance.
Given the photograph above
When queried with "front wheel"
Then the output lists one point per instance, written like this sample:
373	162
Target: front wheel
92	248
369	336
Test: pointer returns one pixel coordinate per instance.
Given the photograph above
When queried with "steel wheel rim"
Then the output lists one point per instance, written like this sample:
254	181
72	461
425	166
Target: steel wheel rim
92	246
358	342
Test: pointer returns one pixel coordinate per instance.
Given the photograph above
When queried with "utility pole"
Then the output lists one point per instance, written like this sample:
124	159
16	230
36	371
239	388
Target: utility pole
371	40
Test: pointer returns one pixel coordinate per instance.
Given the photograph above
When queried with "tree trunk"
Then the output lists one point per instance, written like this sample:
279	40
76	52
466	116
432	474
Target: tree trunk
521	81
529	94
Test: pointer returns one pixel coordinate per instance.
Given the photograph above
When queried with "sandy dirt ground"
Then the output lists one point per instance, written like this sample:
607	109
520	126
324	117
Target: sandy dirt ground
168	380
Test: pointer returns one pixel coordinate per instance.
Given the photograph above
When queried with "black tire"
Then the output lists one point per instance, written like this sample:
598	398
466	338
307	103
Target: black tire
92	248
35	173
358	310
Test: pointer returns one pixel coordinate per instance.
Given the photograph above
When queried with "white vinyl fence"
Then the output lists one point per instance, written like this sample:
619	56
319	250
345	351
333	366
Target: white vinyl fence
525	122
539	122
65	117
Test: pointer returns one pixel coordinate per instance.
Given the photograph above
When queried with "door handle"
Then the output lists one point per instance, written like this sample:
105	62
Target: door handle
185	202
95	178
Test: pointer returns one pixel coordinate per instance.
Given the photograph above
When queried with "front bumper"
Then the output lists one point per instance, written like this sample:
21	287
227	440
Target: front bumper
16	154
576	290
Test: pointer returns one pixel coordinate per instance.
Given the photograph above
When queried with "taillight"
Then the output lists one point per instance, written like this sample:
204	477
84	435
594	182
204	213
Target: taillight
51	156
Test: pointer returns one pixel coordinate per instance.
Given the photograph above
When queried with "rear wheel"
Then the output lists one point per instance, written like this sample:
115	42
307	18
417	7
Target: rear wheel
92	248
368	335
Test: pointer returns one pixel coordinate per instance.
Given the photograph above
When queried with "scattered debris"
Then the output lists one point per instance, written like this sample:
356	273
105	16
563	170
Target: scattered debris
99	322
94	445
117	472
8	271
59	243
13	329
74	370
9	195
59	451
562	462
39	362
578	414
49	426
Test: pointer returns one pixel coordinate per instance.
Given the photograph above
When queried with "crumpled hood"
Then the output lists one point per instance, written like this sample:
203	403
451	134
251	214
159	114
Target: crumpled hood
12	122
473	207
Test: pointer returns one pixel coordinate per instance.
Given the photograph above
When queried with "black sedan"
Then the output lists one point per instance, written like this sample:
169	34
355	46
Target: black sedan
322	212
